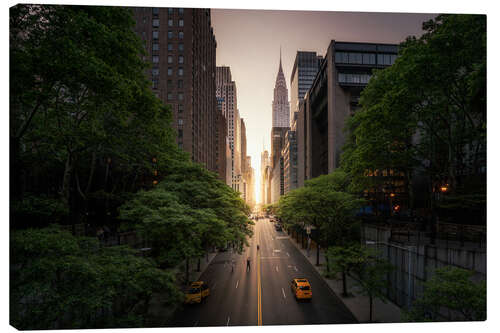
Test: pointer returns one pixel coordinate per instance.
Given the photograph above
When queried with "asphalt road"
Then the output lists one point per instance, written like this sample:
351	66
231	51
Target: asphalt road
235	299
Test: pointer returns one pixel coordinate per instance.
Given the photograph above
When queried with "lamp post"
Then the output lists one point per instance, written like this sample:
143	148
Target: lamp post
409	248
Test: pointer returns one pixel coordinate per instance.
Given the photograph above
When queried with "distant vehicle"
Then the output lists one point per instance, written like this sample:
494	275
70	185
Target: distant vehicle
197	292
301	288
278	227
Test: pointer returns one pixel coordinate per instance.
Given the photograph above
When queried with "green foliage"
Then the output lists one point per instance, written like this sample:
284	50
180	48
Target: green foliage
345	259
60	281
427	111
189	211
42	208
323	203
450	288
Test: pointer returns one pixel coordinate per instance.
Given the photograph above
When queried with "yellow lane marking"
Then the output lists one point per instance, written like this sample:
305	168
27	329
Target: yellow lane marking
259	294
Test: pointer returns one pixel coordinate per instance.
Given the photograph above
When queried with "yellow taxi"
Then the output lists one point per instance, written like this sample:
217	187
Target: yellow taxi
301	288
197	292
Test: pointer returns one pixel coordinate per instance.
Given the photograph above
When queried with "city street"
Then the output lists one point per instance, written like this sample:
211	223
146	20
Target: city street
234	296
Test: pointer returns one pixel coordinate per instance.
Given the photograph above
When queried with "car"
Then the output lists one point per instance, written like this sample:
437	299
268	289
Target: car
301	288
198	291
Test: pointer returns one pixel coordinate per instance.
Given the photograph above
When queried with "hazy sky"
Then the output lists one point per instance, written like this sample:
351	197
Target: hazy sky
249	42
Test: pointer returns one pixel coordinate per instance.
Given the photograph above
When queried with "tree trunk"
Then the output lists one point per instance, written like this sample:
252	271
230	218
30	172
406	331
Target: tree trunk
371	308
199	265
187	270
344	285
317	254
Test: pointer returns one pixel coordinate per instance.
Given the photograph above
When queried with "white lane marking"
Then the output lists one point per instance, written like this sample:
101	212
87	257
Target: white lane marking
283	290
295	268
195	323
288	254
276	250
277	270
237	284
227	324
282	237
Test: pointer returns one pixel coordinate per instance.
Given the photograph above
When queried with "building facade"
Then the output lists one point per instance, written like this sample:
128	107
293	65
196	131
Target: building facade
332	98
226	93
290	165
181	45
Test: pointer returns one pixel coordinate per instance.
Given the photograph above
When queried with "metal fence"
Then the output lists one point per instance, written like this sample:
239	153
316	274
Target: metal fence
415	263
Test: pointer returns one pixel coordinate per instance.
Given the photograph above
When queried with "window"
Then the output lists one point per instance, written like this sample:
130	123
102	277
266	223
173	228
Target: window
156	59
170	22
155	71
156	10
181	34
170	96
169	84
181	11
181	59
355	58
180	122
180	134
170	47
180	84
180	108
170	11
169	71
156	46
156	23
170	34
155	84
155	34
181	71
181	96
369	58
181	46
170	59
181	23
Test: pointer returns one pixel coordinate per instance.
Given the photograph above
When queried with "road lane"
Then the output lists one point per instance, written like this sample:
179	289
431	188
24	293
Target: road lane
235	300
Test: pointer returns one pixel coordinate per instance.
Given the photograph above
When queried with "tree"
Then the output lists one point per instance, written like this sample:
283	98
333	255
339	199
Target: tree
59	281
450	288
427	112
344	259
189	211
79	94
323	204
371	277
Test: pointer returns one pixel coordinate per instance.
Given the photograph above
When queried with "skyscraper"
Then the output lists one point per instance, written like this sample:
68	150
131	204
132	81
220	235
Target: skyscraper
180	44
281	124
281	106
226	92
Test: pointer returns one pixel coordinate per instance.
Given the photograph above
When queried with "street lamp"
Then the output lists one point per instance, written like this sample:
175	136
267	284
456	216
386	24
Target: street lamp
409	249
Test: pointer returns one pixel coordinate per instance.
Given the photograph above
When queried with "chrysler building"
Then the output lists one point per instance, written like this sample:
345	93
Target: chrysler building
281	106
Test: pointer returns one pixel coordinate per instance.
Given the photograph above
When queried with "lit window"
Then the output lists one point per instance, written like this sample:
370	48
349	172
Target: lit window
156	23
170	59
156	59
169	71
181	59
180	122
155	34
181	71
181	23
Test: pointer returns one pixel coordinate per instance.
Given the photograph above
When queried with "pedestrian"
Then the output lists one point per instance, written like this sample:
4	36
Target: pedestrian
248	263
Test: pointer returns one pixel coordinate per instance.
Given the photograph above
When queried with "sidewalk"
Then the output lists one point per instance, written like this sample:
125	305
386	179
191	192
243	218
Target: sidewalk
358	305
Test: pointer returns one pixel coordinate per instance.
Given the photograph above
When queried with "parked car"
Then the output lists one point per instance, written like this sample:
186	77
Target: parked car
301	288
197	292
